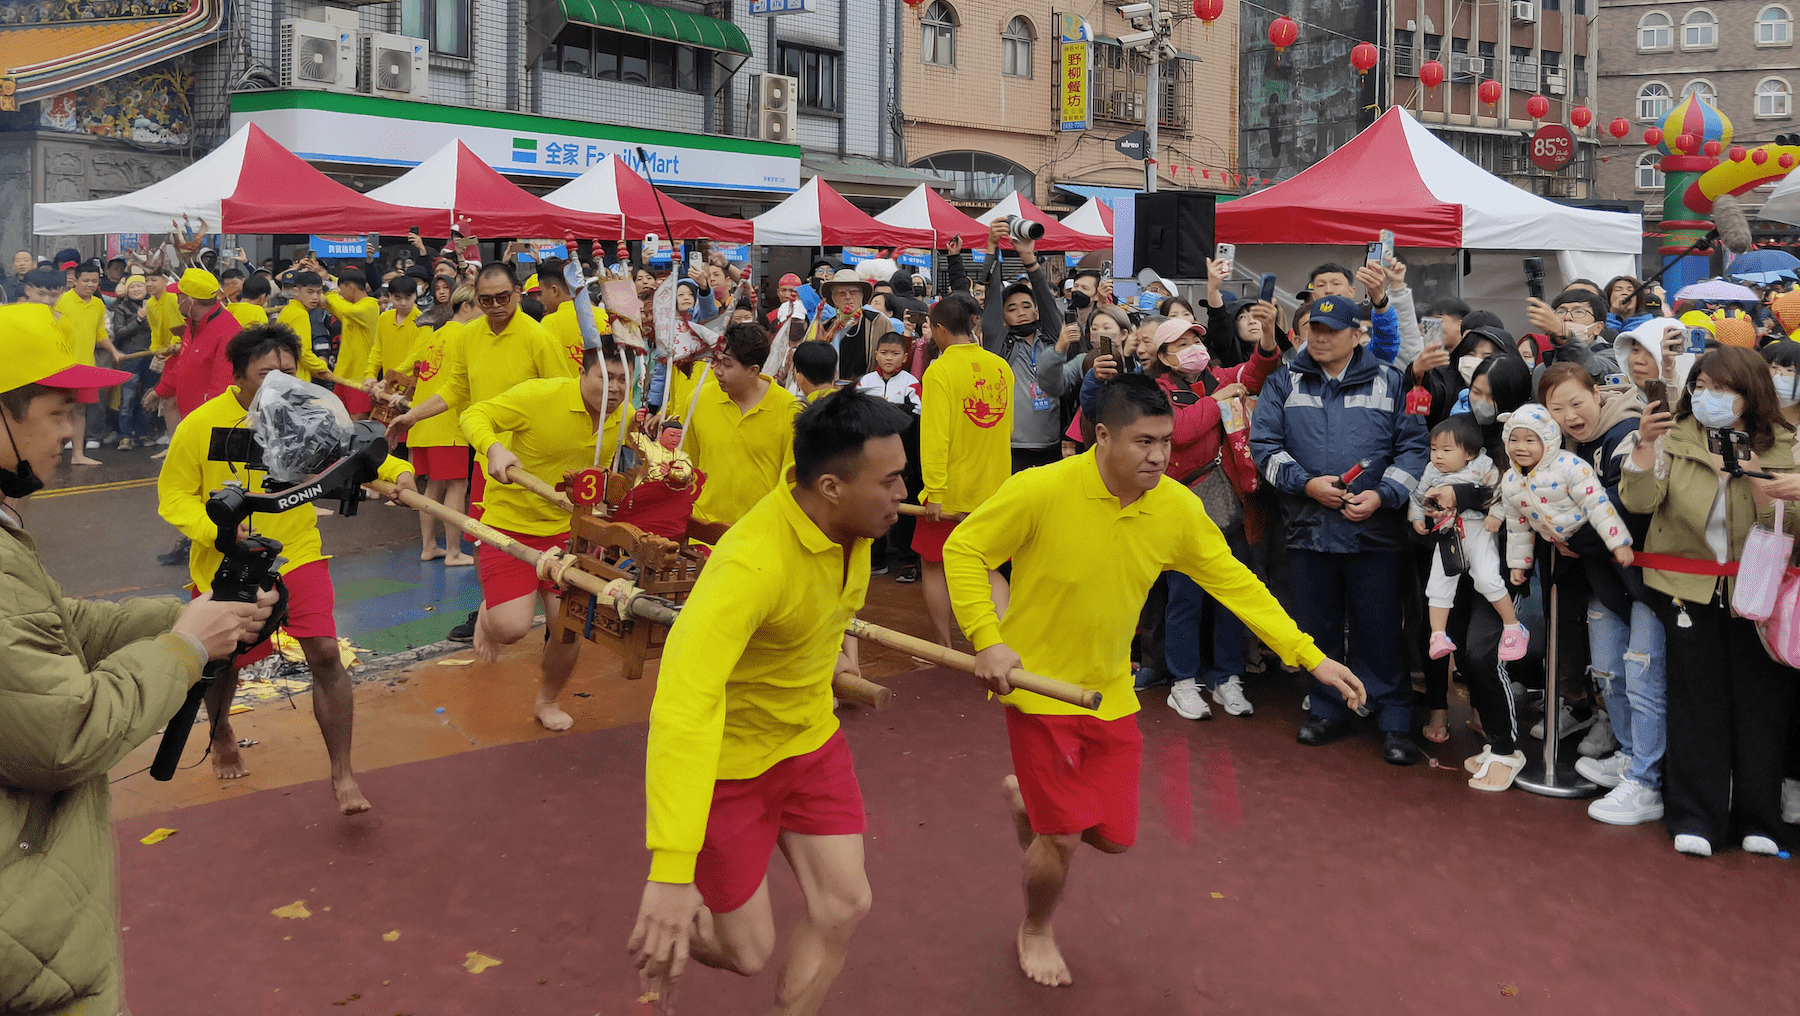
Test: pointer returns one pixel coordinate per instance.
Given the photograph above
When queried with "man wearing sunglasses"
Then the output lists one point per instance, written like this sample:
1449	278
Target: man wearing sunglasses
1576	324
491	354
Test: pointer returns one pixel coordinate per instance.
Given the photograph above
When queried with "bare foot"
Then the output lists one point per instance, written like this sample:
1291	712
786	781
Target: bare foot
458	560
486	649
79	459
1009	789
552	717
431	555
349	796
227	761
1041	960
161	455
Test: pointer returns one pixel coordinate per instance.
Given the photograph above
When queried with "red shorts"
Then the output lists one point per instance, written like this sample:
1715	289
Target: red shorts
355	400
815	794
478	481
1078	773
442	462
505	578
310	603
929	537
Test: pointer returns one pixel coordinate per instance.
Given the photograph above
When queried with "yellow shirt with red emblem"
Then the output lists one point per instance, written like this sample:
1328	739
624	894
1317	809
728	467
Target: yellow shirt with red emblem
565	327
965	418
431	351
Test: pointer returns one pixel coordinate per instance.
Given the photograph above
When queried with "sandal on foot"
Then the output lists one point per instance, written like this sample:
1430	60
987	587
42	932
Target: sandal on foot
1436	733
1514	641
1487	760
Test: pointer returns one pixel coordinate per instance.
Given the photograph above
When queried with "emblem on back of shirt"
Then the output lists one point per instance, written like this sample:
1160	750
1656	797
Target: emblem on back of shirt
987	404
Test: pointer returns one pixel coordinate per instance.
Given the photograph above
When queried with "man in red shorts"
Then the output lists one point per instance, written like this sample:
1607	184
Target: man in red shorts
965	417
745	752
188	478
545	426
1087	536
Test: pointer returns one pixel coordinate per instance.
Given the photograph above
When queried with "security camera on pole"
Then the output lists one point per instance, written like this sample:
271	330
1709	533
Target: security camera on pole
1154	28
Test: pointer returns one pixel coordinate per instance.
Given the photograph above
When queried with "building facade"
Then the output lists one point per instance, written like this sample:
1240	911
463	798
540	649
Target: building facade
1737	55
981	84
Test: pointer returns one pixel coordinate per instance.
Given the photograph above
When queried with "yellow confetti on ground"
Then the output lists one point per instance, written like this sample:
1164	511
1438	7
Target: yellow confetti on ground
456	663
1218	896
241	708
291	651
295	911
261	692
157	836
476	963
392	936
648	997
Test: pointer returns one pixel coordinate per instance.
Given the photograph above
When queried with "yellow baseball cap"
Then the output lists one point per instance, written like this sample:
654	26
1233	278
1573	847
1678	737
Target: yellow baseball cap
35	355
1700	319
199	284
531	284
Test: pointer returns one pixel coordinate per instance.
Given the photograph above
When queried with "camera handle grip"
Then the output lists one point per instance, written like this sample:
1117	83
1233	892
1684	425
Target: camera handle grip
175	735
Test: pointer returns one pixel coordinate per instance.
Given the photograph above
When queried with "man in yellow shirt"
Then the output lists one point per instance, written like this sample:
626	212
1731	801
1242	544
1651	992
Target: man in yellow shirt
356	311
1087	537
439	451
296	314
559	309
744	750
188	478
742	433
396	330
815	371
81	315
965	418
546	426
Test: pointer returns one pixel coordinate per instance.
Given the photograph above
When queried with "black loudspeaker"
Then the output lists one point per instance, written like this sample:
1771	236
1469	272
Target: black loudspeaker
1174	233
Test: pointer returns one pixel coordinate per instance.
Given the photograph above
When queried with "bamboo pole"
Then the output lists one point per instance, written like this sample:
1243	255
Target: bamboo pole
919	511
638	604
517	475
1048	687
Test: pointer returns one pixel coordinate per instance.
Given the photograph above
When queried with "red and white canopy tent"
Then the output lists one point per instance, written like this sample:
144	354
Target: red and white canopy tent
1094	218
924	208
817	216
1057	236
467	193
1397	175
249	184
612	188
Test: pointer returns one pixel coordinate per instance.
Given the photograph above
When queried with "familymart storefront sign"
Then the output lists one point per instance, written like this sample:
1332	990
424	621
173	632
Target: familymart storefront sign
366	130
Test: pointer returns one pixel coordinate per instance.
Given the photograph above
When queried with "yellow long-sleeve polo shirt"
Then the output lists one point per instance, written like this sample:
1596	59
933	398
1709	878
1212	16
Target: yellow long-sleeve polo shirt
546	423
965	418
744	455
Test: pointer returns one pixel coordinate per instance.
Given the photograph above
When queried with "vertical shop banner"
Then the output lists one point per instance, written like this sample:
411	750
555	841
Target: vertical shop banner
1072	85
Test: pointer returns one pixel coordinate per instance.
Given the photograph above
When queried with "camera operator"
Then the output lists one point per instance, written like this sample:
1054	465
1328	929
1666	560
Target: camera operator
81	684
1020	324
188	478
1728	701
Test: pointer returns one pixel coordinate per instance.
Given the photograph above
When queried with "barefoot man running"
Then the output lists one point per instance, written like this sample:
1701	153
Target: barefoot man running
745	752
1087	536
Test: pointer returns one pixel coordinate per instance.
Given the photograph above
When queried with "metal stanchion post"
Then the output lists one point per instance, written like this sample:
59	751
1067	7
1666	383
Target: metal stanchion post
1546	775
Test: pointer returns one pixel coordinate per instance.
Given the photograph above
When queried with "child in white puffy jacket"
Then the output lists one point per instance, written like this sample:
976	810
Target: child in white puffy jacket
1550	494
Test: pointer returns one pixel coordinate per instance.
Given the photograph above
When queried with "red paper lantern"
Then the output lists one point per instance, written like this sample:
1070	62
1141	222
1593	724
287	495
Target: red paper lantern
1431	74
1209	11
1786	160
1581	116
1737	153
1537	106
1686	143
1619	127
1760	156
1364	57
1653	137
1282	32
1712	149
1489	91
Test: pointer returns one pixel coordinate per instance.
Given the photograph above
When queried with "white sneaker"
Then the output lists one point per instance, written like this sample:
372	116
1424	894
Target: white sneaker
1790	801
1693	846
1761	845
1566	724
1306	703
1599	742
1230	694
91	445
1629	803
1188	703
1607	772
163	440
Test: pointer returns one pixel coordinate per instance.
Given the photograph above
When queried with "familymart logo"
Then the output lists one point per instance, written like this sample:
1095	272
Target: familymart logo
525	150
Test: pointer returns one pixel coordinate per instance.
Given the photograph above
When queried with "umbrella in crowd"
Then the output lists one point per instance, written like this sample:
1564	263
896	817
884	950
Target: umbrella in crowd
1718	289
1764	266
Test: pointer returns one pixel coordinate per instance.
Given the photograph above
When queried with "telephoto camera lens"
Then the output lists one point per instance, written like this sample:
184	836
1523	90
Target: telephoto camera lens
1025	229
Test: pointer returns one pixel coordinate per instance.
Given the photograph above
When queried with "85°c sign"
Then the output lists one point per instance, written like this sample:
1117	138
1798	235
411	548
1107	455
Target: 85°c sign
1552	147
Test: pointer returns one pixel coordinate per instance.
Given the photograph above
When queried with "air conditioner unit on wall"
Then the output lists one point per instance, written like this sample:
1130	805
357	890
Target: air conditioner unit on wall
1524	10
1556	84
777	99
394	66
1472	66
316	55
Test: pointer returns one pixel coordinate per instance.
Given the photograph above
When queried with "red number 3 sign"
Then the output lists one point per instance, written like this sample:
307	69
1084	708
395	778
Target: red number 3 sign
587	487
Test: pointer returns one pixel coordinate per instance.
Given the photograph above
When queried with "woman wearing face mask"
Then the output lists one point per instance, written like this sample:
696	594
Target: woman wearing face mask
1728	702
1449	384
1202	395
1625	638
1500	384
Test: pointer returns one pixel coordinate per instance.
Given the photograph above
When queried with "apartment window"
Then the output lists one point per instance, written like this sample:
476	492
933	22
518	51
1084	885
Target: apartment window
979	176
1578	68
1403	54
937	42
1774	26
1119	81
1434	48
1653	101
1485	51
1701	89
1015	49
632	59
1649	177
1773	97
1656	31
817	72
442	23
1699	30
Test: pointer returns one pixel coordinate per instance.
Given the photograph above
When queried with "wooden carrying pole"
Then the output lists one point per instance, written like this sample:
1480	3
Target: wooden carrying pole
919	510
844	686
1048	687
516	475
